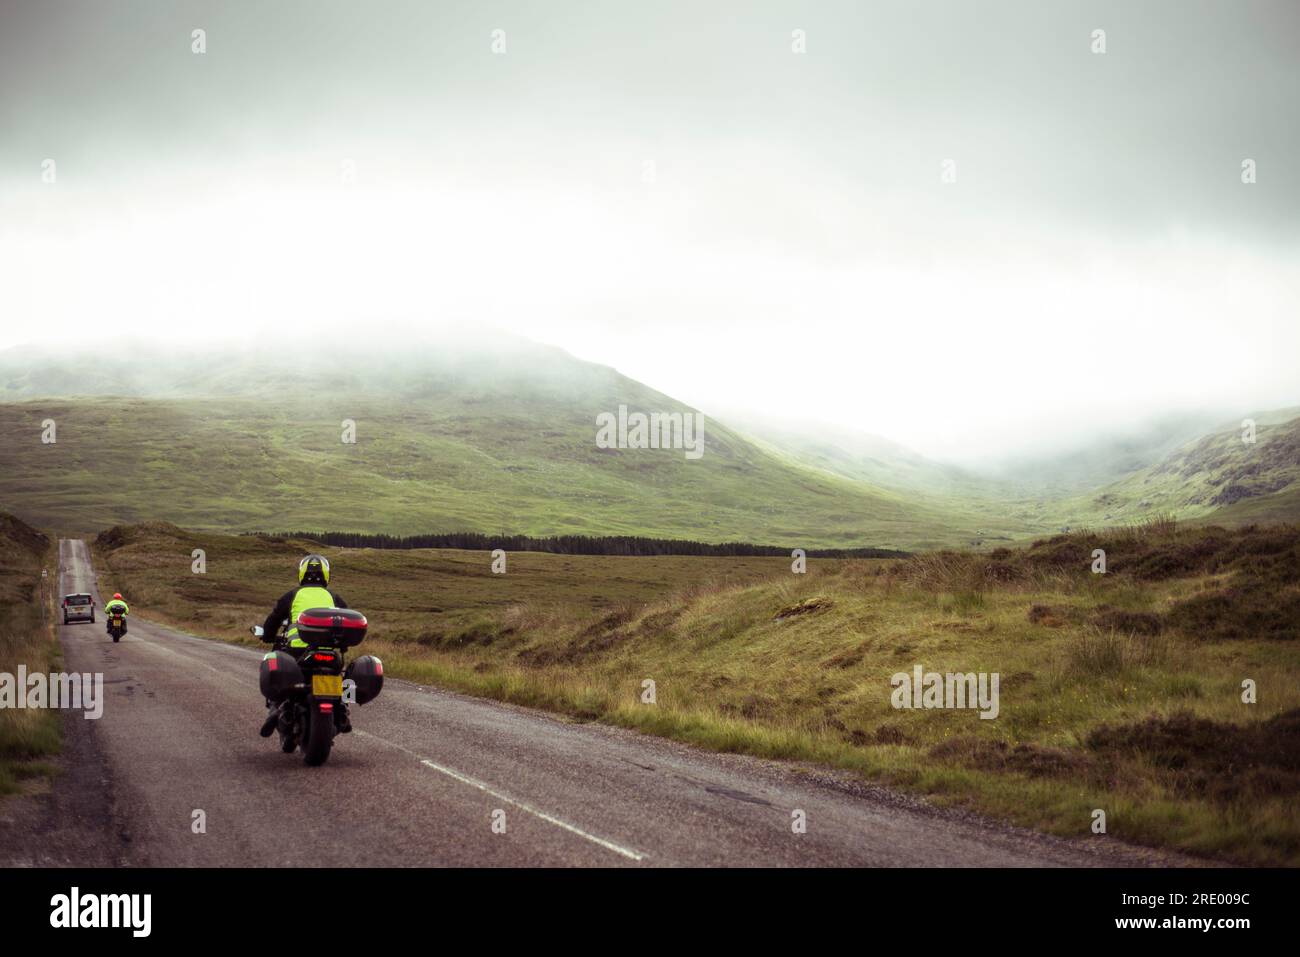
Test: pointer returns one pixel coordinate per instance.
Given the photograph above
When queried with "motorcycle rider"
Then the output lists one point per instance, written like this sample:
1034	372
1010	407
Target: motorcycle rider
115	606
313	576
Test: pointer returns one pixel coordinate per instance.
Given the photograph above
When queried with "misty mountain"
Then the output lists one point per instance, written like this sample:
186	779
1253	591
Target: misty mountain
1105	459
492	434
868	458
385	366
1219	476
1194	465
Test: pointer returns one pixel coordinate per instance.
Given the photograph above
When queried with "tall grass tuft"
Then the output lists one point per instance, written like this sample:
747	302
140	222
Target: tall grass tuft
1107	653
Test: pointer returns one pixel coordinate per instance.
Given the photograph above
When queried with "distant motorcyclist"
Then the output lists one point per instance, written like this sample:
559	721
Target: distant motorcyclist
313	576
116	606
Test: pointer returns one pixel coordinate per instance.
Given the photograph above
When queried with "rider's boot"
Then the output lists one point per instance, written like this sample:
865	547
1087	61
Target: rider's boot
341	720
272	719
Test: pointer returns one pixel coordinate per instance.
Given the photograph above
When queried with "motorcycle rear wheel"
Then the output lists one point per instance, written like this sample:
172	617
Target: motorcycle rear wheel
320	735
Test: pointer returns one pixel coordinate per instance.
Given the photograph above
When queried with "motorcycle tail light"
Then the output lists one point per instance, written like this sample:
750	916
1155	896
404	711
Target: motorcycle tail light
327	706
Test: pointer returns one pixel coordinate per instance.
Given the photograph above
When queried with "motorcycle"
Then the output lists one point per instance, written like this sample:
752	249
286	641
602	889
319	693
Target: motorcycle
116	625
309	686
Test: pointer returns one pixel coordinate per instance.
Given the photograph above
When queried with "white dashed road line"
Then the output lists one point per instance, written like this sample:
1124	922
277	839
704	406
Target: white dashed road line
522	805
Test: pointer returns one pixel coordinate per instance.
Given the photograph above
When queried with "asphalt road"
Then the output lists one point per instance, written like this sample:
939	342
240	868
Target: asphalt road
422	778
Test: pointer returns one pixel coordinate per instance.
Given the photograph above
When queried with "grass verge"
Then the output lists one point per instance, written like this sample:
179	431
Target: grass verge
27	637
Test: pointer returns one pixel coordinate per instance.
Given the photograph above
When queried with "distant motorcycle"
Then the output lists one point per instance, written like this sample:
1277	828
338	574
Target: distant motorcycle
310	685
116	625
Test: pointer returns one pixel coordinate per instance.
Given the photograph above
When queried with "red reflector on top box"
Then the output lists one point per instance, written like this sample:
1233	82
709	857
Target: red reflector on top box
332	617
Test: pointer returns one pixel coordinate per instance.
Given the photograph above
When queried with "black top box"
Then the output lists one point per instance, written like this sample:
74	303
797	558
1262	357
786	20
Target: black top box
332	627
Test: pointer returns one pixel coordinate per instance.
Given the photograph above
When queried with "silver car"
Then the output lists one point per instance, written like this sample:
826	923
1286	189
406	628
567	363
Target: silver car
78	607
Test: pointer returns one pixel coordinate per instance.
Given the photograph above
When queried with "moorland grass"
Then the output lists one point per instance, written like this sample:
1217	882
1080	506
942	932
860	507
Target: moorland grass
1101	674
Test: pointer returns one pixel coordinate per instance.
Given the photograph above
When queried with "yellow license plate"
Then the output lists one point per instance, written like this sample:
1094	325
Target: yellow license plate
327	686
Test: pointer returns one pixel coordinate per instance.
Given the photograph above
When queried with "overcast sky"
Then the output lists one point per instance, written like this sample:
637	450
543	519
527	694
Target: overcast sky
671	189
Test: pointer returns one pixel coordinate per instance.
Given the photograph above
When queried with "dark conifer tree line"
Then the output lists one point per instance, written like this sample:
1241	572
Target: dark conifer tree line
578	545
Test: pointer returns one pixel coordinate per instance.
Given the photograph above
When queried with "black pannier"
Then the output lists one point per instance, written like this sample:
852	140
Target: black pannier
331	627
368	674
280	675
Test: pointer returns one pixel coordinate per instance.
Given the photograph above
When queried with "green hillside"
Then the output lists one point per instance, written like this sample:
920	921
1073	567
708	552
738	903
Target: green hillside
1282	506
499	435
498	438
